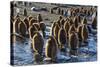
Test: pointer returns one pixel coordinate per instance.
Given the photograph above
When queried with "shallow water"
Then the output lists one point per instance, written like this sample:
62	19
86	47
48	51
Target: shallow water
23	54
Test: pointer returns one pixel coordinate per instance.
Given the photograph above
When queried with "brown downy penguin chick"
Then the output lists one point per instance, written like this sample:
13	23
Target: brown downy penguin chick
84	21
56	30
37	43
15	25
22	28
75	22
84	33
32	21
73	43
39	18
72	28
16	31
79	30
79	19
51	48
42	28
66	27
62	38
94	23
32	29
26	21
52	28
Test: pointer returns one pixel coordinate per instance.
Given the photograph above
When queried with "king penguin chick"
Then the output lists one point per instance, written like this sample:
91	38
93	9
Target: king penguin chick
51	48
73	43
38	43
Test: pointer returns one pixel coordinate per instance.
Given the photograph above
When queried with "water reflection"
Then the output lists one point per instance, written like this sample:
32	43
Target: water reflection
23	54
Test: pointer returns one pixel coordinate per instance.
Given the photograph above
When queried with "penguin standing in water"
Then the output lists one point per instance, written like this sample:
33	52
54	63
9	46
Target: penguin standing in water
73	43
37	46
84	33
37	43
26	21
62	38
16	31
94	23
22	28
79	30
51	49
15	25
